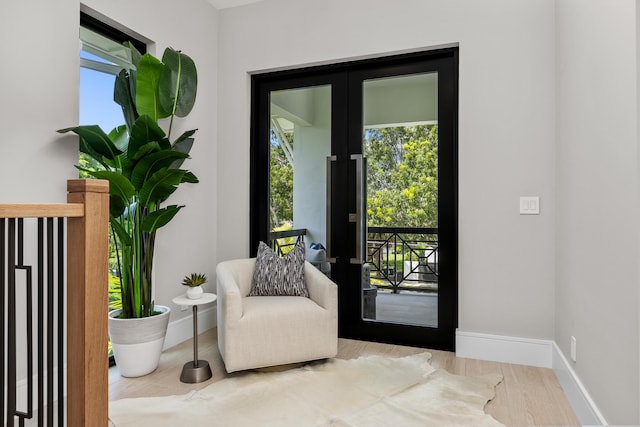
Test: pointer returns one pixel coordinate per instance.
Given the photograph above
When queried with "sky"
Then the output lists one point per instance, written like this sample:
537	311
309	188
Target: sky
96	98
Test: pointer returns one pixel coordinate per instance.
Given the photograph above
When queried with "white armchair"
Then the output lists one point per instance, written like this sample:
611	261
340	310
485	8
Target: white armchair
261	331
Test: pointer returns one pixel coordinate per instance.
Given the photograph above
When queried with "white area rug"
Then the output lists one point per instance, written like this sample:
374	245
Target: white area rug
369	391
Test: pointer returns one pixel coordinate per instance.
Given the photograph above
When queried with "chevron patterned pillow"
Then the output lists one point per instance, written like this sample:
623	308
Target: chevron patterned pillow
276	275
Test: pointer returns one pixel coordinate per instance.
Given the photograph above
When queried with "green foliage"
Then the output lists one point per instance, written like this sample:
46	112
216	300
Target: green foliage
148	81
402	177
142	165
281	186
195	279
286	244
177	77
115	297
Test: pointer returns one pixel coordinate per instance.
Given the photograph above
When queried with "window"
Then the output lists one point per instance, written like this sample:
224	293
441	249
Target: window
97	76
102	57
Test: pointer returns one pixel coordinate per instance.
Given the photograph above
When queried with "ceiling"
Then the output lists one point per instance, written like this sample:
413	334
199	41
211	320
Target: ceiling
225	4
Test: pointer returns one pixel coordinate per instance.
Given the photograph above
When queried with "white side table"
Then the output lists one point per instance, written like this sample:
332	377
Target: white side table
197	370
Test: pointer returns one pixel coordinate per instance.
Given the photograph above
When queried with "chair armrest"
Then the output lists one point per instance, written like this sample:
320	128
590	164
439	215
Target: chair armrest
231	287
322	290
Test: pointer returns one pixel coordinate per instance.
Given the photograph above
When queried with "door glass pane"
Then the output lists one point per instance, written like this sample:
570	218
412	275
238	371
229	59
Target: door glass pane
300	141
400	143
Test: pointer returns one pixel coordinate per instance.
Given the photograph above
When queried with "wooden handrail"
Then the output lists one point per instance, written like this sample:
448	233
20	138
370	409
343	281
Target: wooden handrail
41	210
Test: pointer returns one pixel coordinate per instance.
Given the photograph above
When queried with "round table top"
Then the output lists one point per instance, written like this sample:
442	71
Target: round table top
206	298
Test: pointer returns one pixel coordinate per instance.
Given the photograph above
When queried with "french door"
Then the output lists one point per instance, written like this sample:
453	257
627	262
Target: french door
359	160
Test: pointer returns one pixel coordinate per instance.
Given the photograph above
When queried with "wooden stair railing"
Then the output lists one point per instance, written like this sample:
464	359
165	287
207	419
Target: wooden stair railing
87	219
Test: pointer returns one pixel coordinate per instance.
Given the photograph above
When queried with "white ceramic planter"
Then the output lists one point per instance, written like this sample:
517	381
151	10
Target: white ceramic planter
194	292
137	343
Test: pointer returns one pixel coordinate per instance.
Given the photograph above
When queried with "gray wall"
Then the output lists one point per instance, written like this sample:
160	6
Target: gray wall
506	129
39	84
547	107
597	196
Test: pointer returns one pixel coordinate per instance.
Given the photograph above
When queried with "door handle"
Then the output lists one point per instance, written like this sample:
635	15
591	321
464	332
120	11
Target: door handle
357	216
330	161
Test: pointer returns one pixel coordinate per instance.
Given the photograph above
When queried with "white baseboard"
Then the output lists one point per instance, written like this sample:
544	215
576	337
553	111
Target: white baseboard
583	406
182	330
532	352
499	348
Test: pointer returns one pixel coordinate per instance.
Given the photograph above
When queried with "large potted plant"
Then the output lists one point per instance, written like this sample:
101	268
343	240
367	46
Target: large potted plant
143	166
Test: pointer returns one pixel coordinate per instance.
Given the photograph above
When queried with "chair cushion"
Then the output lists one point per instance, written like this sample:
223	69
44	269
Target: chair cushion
276	275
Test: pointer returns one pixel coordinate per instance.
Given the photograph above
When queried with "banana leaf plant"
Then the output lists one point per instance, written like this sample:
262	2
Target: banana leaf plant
142	164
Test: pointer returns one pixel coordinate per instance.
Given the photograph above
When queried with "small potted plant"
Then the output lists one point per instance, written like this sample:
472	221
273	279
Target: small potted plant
194	283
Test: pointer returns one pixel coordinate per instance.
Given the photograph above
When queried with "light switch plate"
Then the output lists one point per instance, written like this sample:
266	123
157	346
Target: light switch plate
529	205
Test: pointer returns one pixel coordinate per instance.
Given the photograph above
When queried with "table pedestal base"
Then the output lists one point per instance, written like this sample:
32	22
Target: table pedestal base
196	374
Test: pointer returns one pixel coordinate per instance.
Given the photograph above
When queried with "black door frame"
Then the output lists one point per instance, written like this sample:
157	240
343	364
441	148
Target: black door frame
346	133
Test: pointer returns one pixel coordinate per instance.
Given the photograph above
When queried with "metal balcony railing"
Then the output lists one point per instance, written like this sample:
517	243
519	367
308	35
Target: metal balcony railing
403	258
282	241
399	258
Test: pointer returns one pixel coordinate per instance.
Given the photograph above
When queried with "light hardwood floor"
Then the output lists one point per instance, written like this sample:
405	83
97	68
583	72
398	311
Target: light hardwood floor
527	397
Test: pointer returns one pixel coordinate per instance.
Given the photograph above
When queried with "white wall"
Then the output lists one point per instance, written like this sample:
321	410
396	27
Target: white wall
597	197
506	129
39	74
40	81
638	158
